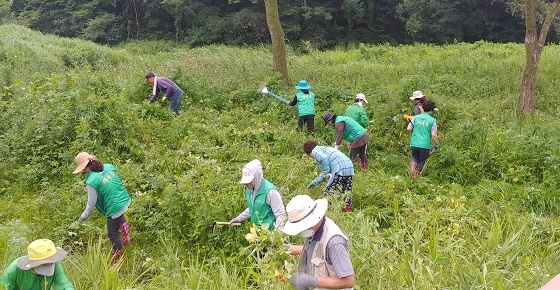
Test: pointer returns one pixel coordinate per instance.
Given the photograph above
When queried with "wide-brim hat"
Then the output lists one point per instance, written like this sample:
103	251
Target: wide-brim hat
82	160
41	252
417	95
361	96
304	213
302	85
327	117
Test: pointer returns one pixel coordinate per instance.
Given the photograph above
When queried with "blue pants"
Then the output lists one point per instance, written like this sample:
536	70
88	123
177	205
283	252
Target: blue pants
176	101
420	155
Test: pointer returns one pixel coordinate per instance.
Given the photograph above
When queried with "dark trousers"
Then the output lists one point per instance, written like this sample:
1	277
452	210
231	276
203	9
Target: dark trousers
420	155
113	231
360	151
309	119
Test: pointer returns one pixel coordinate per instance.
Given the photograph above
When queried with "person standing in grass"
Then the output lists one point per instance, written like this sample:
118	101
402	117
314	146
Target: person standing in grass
357	112
324	258
349	130
336	167
418	98
424	131
168	88
305	100
265	206
107	193
39	270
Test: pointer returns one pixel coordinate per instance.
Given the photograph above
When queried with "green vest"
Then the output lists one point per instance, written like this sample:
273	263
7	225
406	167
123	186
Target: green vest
422	132
352	130
261	212
306	103
358	113
112	197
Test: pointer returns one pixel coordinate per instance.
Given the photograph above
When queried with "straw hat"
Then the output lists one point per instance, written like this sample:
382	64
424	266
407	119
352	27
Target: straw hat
41	252
304	213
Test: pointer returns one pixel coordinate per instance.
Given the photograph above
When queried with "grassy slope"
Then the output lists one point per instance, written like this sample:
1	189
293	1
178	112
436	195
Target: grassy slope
483	217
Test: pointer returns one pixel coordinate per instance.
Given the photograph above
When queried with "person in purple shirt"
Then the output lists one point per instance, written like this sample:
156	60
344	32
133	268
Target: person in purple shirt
168	88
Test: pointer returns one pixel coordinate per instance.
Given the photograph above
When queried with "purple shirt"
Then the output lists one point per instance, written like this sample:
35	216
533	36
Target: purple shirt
166	86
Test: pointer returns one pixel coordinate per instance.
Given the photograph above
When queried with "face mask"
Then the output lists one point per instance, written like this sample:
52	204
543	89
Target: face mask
360	104
307	233
44	270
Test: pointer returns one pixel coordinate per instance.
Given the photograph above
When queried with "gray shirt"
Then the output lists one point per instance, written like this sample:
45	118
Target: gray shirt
275	201
338	255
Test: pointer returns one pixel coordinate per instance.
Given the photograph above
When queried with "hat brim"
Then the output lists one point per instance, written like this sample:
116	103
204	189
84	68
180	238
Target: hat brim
25	263
417	97
81	166
246	179
311	220
303	88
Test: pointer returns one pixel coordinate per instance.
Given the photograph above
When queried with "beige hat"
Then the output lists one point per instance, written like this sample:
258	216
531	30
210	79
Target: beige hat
361	96
304	213
82	159
417	95
247	176
41	252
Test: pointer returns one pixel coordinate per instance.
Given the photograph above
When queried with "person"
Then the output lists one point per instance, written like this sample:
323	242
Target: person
168	88
357	112
336	167
424	131
305	99
39	270
265	206
349	130
324	258
107	193
418	98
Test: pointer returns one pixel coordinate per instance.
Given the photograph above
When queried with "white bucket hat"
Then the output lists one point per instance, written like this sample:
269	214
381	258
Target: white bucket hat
361	96
416	95
304	213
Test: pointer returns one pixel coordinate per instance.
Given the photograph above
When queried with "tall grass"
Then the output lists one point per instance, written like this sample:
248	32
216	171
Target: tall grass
483	216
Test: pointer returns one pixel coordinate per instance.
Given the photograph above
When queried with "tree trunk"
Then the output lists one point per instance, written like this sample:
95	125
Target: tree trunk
534	45
279	61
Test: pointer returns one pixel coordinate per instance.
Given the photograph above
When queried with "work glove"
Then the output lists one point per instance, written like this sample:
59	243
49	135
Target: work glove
436	148
335	146
328	176
303	281
233	220
310	185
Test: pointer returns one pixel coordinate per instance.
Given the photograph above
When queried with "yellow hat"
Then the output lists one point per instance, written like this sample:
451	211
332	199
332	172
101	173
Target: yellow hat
41	252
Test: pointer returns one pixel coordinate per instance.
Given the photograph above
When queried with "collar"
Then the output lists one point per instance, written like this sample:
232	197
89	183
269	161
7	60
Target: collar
317	236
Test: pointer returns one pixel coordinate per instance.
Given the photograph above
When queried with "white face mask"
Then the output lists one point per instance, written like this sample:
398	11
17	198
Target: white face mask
307	233
45	270
360	104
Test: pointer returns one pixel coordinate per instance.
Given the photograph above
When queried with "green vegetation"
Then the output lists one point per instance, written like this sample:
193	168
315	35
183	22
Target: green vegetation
484	215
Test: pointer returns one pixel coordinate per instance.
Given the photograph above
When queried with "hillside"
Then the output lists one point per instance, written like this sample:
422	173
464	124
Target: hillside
484	215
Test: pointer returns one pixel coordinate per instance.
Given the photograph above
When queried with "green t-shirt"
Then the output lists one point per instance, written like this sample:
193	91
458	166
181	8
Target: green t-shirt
422	131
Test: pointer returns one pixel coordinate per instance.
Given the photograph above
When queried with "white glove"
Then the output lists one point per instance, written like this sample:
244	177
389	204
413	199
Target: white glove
310	185
233	220
328	176
335	146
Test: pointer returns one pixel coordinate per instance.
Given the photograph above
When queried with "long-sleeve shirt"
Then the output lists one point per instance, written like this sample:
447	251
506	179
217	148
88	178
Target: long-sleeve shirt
164	85
92	200
331	161
275	201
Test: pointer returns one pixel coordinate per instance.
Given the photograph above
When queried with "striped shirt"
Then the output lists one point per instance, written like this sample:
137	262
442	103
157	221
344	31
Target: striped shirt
331	161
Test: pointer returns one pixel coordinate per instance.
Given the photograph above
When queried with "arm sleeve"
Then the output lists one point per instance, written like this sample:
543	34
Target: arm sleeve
364	120
91	201
244	215
325	169
60	280
8	279
339	127
293	102
338	255
274	199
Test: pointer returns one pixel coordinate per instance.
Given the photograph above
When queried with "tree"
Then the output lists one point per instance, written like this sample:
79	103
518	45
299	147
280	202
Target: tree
279	62
534	45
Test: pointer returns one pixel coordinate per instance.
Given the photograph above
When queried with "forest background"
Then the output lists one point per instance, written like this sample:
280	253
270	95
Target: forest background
484	216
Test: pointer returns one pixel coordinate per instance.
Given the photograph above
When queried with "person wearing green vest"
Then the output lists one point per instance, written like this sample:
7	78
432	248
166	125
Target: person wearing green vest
305	100
107	193
357	112
424	131
265	206
39	270
349	130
